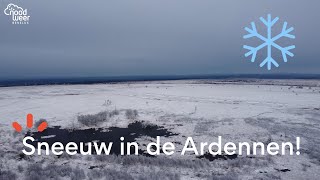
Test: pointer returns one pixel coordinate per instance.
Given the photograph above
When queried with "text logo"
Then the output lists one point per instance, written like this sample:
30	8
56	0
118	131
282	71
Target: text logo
18	14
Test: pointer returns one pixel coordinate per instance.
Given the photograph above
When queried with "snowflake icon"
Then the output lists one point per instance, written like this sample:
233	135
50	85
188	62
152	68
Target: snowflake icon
269	42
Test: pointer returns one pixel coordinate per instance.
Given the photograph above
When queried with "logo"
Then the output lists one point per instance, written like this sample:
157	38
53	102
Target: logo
269	42
18	14
40	128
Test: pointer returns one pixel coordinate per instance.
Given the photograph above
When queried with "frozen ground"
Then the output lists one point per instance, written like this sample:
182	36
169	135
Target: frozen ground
237	110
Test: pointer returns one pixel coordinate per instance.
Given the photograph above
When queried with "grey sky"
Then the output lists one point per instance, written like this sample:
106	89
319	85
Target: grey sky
149	37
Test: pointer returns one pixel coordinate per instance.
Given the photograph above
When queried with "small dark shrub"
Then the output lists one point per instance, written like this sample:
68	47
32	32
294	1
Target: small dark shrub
114	113
131	114
93	119
96	119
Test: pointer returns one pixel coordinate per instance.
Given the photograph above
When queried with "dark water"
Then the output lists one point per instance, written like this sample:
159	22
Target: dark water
5	82
113	134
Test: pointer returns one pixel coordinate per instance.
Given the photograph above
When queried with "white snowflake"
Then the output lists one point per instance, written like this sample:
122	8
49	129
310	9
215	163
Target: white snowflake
269	41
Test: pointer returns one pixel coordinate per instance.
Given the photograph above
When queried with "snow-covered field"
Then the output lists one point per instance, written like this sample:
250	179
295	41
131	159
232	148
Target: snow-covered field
237	110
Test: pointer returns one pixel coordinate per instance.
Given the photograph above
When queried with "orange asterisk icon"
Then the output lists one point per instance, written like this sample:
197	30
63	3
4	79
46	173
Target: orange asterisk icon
40	128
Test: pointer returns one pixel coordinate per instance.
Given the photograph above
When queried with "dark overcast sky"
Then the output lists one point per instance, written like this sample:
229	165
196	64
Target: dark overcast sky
149	37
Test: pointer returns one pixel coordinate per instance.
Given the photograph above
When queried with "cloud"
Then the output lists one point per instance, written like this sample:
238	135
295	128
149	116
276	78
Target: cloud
12	7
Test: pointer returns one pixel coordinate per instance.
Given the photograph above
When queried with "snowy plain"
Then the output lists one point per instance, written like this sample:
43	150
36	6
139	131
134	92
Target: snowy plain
238	110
